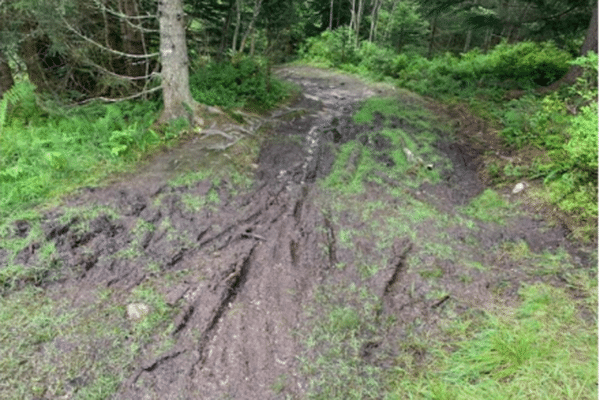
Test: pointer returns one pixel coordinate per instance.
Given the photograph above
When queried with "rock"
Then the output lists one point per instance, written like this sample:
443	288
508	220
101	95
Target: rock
409	155
518	187
137	311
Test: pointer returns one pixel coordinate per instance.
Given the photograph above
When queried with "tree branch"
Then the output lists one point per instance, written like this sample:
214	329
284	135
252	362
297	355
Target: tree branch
129	78
120	53
111	100
121	15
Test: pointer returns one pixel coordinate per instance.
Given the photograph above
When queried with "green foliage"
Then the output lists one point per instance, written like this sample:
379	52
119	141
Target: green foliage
44	153
237	84
541	63
571	140
406	26
539	123
582	149
18	103
585	89
508	65
331	48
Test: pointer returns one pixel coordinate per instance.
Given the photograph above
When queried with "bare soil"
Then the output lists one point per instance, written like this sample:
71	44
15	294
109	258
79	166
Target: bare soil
254	261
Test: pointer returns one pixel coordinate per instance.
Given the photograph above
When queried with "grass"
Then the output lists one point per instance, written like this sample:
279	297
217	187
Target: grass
539	343
86	351
539	349
333	359
410	152
489	206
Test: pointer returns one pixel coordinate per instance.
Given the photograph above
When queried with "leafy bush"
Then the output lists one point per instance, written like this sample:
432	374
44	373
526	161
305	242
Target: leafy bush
540	123
331	48
583	146
235	84
375	59
541	63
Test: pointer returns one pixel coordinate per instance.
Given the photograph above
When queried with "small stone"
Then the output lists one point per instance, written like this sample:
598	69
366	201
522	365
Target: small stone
409	155
518	187
137	311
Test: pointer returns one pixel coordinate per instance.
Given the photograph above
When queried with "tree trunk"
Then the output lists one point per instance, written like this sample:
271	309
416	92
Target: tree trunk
238	21
224	32
358	18
353	15
432	38
591	38
251	26
388	29
331	15
133	39
468	40
374	18
29	54
252	44
6	78
177	98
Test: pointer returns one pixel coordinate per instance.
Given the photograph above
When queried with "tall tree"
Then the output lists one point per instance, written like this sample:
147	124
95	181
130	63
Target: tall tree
177	98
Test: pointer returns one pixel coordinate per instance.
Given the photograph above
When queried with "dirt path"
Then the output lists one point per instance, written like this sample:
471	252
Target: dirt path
248	274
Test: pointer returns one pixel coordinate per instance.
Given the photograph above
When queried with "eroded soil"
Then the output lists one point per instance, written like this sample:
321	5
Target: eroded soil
251	273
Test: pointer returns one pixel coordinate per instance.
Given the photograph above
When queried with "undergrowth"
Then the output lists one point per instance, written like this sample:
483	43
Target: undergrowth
237	83
47	150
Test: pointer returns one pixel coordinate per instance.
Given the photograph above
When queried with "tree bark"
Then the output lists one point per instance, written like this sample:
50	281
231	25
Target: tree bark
432	37
29	54
177	98
225	31
238	21
250	29
358	18
133	39
6	78
331	16
374	18
468	40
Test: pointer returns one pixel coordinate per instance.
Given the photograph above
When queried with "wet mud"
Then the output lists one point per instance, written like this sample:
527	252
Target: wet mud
254	261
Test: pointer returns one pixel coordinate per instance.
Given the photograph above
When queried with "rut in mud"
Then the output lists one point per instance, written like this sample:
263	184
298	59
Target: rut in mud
255	262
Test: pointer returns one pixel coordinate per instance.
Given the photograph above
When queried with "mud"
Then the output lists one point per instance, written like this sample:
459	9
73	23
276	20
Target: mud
255	260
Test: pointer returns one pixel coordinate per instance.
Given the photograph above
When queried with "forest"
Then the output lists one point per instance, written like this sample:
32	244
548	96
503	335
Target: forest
415	181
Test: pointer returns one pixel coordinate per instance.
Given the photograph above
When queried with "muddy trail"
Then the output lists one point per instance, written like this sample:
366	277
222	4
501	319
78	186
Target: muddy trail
238	284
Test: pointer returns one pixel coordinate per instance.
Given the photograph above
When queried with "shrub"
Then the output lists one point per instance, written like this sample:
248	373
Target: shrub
375	59
236	83
332	48
528	62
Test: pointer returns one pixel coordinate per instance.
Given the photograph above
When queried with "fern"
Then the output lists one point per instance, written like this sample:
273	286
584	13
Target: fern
20	92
